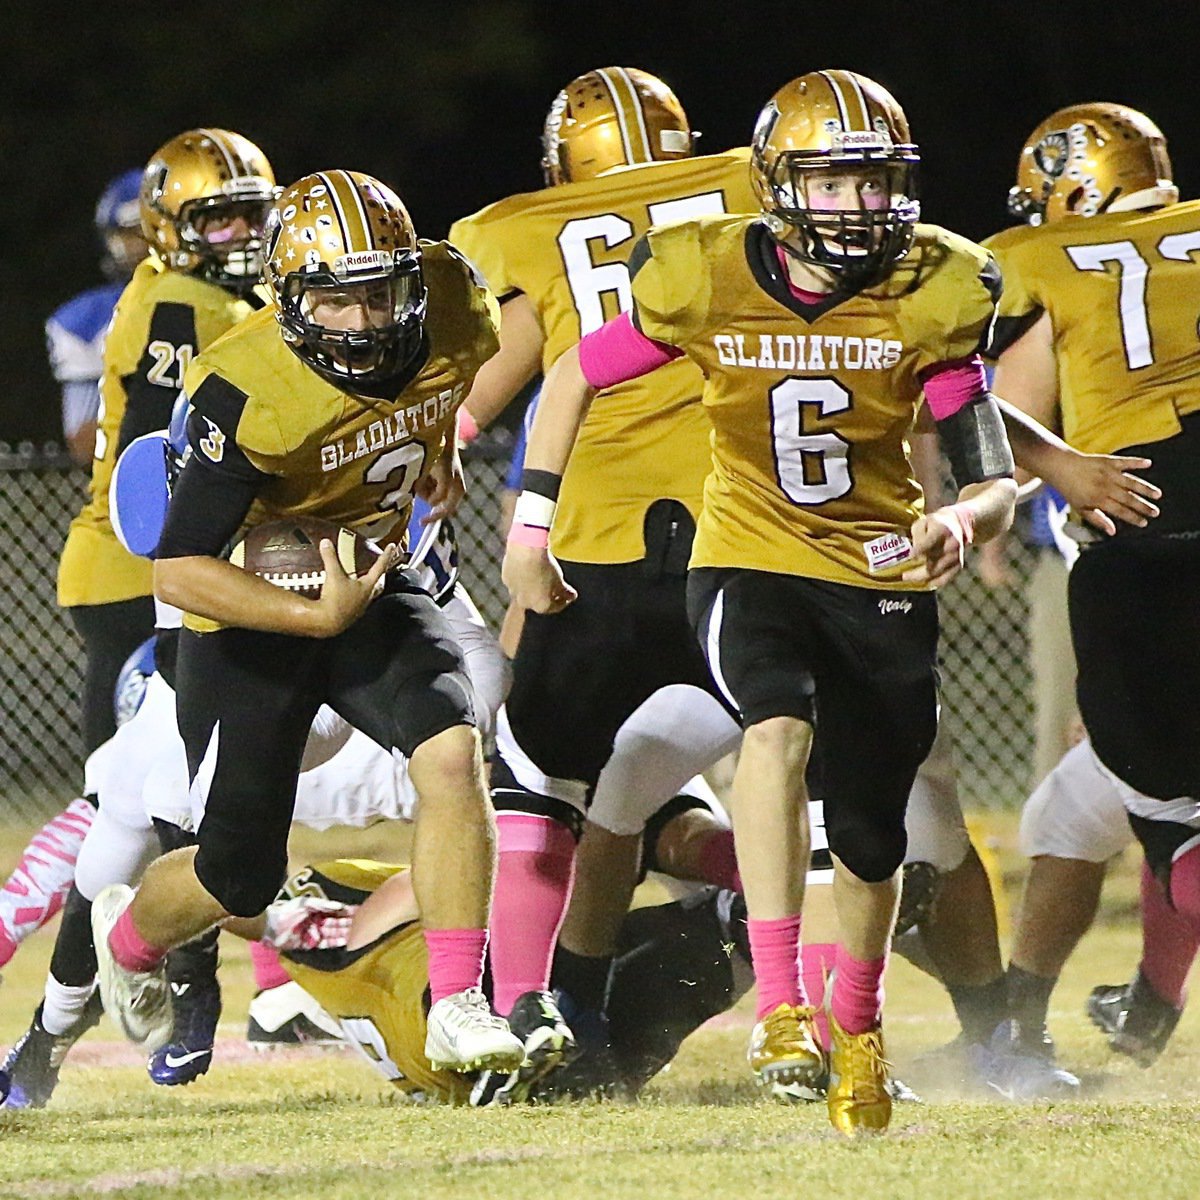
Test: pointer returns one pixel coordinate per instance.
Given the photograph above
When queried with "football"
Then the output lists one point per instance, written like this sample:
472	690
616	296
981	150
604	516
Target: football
287	553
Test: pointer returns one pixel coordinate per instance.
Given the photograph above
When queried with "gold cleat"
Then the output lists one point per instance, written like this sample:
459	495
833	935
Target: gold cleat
858	1096
784	1052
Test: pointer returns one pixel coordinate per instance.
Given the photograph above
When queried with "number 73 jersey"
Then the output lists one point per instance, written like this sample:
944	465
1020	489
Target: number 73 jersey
1122	291
811	405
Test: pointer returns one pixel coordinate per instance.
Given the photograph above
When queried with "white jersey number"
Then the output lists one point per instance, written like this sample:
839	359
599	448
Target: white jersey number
364	1035
1133	271
589	281
813	468
402	467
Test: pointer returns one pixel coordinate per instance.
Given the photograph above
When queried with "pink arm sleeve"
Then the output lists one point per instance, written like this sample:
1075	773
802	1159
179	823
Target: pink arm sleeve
950	386
617	351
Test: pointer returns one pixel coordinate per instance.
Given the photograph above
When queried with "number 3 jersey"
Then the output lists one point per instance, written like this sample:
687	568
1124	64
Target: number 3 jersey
1123	294
302	446
162	319
810	404
566	249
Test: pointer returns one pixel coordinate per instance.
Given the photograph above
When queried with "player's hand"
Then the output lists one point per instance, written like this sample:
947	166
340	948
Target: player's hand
308	923
939	542
344	599
535	580
1101	488
443	488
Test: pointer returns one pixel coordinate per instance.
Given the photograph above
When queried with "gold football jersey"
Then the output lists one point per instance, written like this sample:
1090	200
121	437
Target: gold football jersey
162	320
379	992
567	249
1123	294
337	455
810	405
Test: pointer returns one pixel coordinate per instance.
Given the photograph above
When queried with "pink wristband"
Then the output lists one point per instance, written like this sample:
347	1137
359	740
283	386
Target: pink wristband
529	535
468	427
966	518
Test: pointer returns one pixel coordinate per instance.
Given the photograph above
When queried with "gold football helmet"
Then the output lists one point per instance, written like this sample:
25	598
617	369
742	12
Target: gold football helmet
344	270
609	118
204	203
836	122
1089	159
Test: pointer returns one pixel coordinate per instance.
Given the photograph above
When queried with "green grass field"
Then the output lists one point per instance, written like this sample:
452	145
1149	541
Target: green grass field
315	1124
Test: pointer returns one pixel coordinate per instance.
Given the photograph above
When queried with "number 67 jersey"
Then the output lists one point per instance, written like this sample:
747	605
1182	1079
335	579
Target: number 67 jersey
1123	294
566	249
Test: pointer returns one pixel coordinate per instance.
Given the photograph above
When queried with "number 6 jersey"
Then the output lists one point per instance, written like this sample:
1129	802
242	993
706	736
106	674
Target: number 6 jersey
1123	294
566	248
810	403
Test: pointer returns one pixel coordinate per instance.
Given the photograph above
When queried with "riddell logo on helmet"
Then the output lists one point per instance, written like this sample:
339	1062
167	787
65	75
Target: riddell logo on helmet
361	260
247	185
862	139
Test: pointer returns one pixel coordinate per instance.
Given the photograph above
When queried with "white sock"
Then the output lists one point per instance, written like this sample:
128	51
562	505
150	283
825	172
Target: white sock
64	1004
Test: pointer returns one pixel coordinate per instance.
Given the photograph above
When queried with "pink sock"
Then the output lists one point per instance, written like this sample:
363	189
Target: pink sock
775	952
36	889
816	965
857	991
533	884
130	949
268	969
455	960
718	861
1170	939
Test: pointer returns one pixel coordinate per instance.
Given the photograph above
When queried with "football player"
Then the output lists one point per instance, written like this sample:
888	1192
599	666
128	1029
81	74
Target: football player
818	325
204	197
75	331
679	964
617	158
337	402
1097	332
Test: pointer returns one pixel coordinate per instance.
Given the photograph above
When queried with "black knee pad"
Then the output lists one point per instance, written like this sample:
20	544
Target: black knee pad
242	880
870	850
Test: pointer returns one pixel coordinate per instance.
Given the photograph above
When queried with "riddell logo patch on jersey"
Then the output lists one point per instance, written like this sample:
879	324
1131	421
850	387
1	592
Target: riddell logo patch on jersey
887	551
807	352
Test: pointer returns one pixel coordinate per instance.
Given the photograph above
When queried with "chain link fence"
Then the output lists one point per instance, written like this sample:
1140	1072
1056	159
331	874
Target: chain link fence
987	692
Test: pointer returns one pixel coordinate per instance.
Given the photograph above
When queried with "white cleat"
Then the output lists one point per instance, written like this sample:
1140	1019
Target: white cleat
463	1034
137	1001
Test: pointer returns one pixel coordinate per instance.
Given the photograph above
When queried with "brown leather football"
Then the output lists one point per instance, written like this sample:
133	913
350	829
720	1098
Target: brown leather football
287	553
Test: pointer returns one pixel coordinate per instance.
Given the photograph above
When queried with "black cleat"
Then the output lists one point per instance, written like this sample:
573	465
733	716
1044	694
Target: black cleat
1138	1021
33	1064
549	1043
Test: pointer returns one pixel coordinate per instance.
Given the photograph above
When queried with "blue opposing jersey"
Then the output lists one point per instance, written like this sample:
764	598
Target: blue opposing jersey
75	342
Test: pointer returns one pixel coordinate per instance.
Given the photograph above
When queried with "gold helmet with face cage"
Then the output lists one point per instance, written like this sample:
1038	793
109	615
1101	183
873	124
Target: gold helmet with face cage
344	234
194	189
828	121
609	118
1088	159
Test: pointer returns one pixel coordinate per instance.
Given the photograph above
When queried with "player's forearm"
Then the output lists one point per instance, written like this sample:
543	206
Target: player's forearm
504	374
562	407
391	904
1035	448
989	507
213	588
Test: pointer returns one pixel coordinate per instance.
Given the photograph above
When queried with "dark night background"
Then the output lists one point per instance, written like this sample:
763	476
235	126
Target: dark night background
445	102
